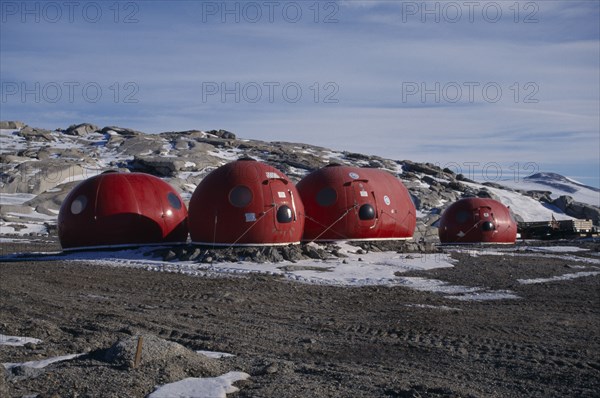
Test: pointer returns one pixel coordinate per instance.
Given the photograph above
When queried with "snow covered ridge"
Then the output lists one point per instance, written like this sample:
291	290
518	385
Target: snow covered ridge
39	167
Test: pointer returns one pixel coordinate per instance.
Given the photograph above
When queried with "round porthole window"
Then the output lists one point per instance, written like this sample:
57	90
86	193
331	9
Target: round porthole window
284	214
366	212
326	196
174	200
488	226
240	196
462	216
78	205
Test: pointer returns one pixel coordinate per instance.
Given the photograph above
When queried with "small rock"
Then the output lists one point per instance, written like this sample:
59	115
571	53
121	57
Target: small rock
272	368
170	255
226	135
195	254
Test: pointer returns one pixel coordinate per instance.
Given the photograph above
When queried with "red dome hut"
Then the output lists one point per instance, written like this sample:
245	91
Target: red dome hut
122	209
351	203
477	220
246	203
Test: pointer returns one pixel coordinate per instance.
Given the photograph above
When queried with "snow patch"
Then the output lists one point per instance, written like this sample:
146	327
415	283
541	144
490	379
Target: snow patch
229	155
40	364
526	207
14	228
512	252
214	354
16	341
457	292
367	269
557	249
564	277
433	307
213	387
569	187
15	198
485	296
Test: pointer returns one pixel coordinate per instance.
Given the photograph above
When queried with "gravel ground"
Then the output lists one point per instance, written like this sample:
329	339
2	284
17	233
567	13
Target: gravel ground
298	340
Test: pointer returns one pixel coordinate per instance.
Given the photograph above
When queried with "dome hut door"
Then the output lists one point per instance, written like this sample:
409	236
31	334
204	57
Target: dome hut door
485	218
365	206
282	202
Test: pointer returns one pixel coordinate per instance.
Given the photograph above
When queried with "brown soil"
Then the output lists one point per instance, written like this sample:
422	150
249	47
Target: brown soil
298	340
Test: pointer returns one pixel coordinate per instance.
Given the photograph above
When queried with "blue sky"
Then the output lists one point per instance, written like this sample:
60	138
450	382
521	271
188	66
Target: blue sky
478	85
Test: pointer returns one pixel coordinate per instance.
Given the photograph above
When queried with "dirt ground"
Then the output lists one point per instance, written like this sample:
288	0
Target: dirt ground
299	340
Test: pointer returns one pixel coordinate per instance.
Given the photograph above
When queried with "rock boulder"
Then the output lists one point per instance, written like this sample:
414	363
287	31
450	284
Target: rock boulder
11	125
81	129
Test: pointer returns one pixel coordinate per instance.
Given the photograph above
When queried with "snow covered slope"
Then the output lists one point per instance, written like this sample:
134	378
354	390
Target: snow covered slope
558	185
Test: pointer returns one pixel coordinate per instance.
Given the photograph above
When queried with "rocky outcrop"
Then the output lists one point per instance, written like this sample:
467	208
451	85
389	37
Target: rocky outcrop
226	135
36	177
120	131
139	145
156	352
48	164
577	209
542	196
81	130
11	125
36	134
49	202
158	166
426	230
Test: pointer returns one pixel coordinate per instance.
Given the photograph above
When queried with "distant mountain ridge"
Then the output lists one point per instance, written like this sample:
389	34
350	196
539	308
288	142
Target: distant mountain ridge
558	181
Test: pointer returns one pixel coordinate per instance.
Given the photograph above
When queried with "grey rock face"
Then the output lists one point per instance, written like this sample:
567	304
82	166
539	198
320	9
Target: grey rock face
81	129
121	131
542	196
226	135
563	202
35	134
147	145
158	166
39	176
577	209
11	125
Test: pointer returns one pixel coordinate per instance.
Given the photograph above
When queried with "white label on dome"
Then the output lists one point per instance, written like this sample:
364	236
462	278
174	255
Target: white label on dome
364	194
281	195
386	200
272	175
353	175
250	217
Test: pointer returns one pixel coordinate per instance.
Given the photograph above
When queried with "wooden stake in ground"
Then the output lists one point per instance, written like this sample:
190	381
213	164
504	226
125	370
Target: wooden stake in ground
138	352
